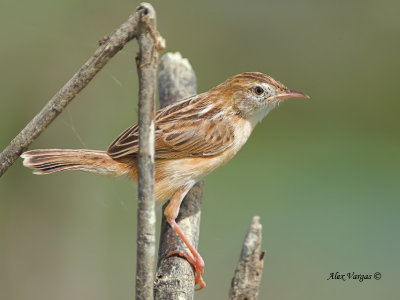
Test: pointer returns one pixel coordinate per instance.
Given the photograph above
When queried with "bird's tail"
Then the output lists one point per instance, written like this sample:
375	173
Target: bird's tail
46	161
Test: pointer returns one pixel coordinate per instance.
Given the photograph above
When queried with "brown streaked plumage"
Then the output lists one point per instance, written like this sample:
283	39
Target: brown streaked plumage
192	138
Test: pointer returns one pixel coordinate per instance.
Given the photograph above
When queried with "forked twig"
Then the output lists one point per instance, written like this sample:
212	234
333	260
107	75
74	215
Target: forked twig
108	47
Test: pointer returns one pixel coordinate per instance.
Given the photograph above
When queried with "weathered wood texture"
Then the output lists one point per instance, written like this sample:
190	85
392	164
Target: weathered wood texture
175	277
246	281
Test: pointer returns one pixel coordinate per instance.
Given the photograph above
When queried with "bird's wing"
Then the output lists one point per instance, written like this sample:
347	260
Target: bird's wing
197	138
181	130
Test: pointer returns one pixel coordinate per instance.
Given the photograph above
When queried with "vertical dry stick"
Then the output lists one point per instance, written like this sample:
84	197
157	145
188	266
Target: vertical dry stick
142	23
108	47
149	43
246	281
174	277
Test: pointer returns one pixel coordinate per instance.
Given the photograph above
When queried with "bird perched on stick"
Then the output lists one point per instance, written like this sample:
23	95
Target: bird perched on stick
193	137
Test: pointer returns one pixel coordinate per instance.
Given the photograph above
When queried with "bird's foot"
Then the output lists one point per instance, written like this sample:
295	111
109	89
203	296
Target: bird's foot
197	263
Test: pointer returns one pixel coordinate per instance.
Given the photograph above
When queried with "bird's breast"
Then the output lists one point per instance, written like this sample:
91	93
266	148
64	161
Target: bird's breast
172	174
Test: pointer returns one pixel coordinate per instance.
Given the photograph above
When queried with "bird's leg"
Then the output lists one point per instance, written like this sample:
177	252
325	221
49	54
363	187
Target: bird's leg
171	212
196	261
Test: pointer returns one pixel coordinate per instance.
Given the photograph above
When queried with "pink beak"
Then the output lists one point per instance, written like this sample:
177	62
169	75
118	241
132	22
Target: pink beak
289	94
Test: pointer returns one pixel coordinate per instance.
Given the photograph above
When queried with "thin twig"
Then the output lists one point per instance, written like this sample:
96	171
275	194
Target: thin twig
174	277
108	47
149	44
246	281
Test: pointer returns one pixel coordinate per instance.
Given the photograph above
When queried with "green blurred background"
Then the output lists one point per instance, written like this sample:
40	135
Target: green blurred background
323	174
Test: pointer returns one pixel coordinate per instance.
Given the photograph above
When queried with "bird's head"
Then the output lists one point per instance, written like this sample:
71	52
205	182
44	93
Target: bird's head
255	94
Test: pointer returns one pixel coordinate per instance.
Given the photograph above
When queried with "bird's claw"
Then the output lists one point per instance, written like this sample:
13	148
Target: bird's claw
198	265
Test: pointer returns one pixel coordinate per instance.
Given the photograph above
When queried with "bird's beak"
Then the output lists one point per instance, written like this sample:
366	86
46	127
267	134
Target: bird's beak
289	94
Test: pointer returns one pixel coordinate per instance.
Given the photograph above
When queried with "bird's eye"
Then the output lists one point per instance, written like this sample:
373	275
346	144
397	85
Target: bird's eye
259	90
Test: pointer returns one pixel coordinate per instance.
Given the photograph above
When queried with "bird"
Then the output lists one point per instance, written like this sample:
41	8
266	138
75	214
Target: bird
193	137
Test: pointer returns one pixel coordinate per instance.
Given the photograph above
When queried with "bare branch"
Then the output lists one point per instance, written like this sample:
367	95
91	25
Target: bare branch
174	277
149	43
246	281
108	47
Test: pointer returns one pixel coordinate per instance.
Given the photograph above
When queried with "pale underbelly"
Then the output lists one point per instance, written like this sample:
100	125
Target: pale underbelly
173	174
